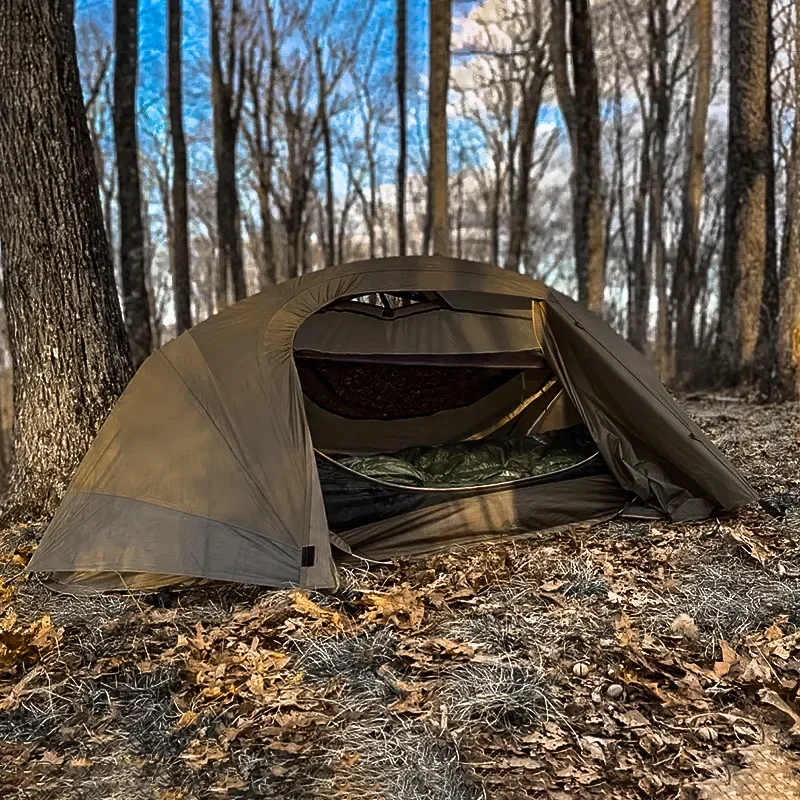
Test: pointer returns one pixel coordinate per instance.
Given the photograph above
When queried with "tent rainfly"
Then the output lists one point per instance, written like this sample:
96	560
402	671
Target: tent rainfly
382	407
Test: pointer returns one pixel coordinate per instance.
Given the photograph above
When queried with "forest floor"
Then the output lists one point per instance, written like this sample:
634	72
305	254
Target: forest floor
628	660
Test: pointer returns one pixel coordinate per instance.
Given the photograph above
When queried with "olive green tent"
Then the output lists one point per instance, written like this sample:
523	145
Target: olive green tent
226	458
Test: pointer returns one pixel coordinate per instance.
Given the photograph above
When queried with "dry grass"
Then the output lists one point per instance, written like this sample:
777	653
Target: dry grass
504	696
730	598
384	757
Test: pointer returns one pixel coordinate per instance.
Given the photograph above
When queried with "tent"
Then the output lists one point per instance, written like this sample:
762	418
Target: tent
234	444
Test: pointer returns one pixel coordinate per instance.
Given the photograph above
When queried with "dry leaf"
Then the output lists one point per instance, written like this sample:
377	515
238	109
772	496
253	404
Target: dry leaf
633	719
729	658
308	608
774	699
186	719
401	607
756	671
744	538
625	633
683	625
773	632
591	747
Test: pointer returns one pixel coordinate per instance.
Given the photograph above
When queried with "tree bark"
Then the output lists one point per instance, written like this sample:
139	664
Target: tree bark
766	361
789	320
748	178
520	201
226	99
68	343
661	93
181	280
135	301
440	26
580	106
402	136
329	240
686	287
494	207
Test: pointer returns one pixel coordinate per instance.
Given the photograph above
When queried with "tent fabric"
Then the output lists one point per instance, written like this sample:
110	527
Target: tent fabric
206	467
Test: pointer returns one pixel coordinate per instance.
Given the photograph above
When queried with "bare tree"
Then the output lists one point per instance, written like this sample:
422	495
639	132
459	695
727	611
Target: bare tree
329	228
686	287
94	62
575	74
439	60
374	111
227	93
534	76
179	240
68	344
749	226
260	137
135	302
401	25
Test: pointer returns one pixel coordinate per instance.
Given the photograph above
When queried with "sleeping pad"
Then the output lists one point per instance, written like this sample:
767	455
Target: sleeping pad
477	463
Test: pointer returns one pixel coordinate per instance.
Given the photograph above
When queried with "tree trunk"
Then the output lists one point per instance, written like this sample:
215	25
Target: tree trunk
494	209
686	286
372	171
580	106
528	118
181	281
661	93
329	240
401	25
68	344
766	361
640	267
440	25
789	320
748	178
269	272
226	101
131	233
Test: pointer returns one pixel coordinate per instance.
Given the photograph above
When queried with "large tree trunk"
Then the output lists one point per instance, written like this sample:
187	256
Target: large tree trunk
68	343
661	93
686	286
226	101
135	302
440	25
580	105
789	320
401	25
766	369
181	281
749	176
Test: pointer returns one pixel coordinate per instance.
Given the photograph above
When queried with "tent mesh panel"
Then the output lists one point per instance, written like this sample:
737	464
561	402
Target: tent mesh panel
395	391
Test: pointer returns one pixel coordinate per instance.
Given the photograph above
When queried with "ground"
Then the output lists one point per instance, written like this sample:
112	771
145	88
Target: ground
629	660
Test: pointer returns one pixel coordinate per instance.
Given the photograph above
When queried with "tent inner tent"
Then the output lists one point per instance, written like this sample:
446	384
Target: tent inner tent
377	408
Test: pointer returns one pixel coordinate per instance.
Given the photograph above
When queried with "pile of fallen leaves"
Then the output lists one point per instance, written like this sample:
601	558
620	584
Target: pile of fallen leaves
628	660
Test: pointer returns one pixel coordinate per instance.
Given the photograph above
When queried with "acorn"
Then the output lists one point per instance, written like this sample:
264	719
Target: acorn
581	669
615	691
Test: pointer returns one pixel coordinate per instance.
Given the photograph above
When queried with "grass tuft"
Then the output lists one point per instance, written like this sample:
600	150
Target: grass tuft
505	696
